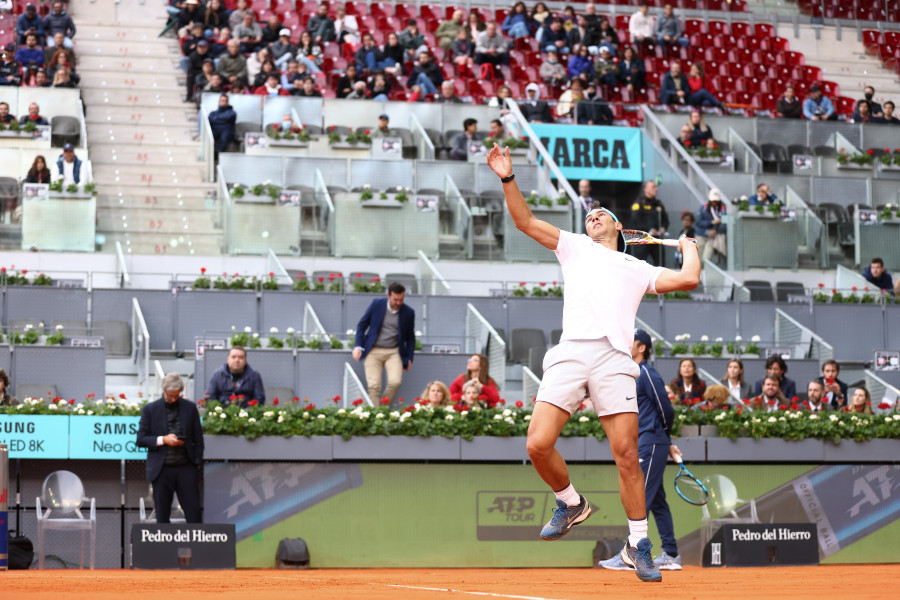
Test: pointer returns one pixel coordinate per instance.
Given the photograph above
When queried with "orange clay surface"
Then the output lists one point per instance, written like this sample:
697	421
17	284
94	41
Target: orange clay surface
821	583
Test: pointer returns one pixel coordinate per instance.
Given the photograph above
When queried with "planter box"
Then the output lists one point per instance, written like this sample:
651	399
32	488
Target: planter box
688	431
709	431
379	203
854	167
253	199
228	447
400	447
484	448
765	450
849	451
287	143
346	146
597	450
572	448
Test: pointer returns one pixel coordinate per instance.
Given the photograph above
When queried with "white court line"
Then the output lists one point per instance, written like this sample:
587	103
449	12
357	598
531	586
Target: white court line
491	594
299	579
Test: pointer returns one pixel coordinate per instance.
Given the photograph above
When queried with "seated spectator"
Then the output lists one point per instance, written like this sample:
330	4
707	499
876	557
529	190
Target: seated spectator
670	392
860	402
287	125
426	74
640	26
369	57
518	23
496	133
834	391
688	386
415	94
815	393
31	52
216	85
606	67
477	375
70	169
593	109
490	49
763	196
51	50
59	21
268	68
475	25
309	53
320	26
379	87
249	34
711	231
699	95
539	14
5	117
29	75
201	80
33	116
190	13
776	367
6	399
346	27
684	138
630	71
769	396
272	85
687	217
470	396
464	140
552	71
553	37
29	22
308	88
533	108
360	91
447	95
448	31
875	108
573	95
876	275
221	122
714	398
384	129
435	394
236	382
889	117
62	60
788	106
862	114
580	65
607	34
507	120
734	380
817	107
215	19
272	31
38	173
283	50
412	40
255	63
462	51
192	64
237	15
62	78
10	68
219	45
583	34
232	65
238	87
393	55
700	131
189	43
347	80
675	88
668	28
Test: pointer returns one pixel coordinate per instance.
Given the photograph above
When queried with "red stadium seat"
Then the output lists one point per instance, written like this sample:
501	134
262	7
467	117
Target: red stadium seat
740	55
691	26
765	101
718	27
740	29
764	30
793	59
829	88
356	8
844	105
404	12
381	9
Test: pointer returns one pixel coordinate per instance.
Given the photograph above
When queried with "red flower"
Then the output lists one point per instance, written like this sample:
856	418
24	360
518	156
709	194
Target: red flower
795	406
782	407
795	399
358	275
385	401
519	404
424	402
24	271
232	398
542	284
252	403
366	132
834	291
202	270
740	408
843	149
56	400
336	399
321	279
853	288
3	269
310	407
275	402
399	400
522	284
687	143
870	151
122	396
715	145
71	400
295	399
271	274
887	150
331	128
821	285
237	274
866	288
331	276
357	402
554	282
884	406
502	401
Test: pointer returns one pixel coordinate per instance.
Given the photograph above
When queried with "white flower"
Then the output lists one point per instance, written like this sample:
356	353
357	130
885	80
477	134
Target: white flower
364	415
321	417
233	328
81	411
678	338
464	413
498	417
738	338
449	418
223	416
533	193
218	409
507	412
399	188
379	416
854	418
341	411
527	417
248	329
832	418
280	418
755	338
41	324
405	416
350	332
720	416
29	327
418	334
583	419
59	327
886	419
305	414
273	330
719	340
704	338
813	417
251	420
510	420
79	405
269	414
782	419
54	407
255	336
756	420
687	336
773	420
243	414
368	186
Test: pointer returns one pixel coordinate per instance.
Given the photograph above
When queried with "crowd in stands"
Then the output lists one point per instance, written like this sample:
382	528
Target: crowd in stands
43	55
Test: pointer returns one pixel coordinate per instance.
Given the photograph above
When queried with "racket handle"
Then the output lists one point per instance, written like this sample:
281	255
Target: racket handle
673	243
678	459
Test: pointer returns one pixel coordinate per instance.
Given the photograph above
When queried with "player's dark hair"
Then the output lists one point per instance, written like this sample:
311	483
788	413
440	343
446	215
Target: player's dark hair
469	122
877	261
396	288
648	348
831	361
774	359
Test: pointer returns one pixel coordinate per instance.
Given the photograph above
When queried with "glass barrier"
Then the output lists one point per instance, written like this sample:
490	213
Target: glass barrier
63	224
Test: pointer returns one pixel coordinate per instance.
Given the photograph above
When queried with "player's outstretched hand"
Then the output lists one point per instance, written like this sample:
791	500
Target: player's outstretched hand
684	242
500	162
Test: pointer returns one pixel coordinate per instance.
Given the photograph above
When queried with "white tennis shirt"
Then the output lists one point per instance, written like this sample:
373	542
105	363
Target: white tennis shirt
603	289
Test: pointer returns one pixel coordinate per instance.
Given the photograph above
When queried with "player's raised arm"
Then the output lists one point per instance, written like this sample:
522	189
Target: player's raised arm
542	232
689	276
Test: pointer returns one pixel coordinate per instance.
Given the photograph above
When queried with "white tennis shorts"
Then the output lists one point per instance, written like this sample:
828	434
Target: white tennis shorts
575	371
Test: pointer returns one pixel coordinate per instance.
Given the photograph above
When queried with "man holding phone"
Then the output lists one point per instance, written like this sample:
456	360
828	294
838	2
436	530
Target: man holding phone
835	389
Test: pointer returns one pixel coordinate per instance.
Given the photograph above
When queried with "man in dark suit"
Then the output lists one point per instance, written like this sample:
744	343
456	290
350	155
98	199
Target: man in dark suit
835	390
776	367
386	339
170	430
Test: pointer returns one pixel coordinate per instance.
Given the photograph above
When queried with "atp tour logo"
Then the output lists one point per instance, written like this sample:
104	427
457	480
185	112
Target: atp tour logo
872	488
514	508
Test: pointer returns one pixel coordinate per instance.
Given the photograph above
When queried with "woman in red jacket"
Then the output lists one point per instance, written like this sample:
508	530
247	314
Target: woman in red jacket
477	369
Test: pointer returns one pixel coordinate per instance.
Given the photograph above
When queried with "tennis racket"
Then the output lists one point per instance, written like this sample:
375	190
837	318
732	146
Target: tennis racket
689	487
633	237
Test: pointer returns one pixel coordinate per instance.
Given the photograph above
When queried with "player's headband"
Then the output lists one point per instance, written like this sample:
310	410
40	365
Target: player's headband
606	210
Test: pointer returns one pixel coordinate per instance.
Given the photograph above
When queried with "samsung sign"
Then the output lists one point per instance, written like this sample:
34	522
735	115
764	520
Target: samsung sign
593	152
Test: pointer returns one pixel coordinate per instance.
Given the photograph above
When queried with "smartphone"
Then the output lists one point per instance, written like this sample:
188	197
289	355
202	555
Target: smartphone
829	380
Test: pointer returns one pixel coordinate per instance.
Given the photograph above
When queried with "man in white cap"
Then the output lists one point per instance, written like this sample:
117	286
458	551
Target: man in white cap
603	289
282	50
533	108
710	228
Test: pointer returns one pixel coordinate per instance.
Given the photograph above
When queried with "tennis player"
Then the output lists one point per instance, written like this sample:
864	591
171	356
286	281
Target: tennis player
655	418
603	288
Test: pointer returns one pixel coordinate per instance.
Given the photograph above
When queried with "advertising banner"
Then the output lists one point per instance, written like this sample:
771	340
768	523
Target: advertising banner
105	438
593	152
35	436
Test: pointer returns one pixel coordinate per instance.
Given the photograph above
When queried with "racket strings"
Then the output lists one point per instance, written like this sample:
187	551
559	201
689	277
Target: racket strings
691	489
633	236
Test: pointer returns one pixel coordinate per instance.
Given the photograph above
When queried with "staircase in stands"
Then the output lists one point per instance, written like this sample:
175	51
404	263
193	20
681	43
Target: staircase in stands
151	193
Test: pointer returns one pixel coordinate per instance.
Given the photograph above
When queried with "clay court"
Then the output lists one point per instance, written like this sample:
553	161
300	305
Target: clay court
842	581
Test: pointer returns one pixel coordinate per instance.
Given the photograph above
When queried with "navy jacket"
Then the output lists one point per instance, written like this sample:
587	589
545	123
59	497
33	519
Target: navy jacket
222	386
885	282
370	325
76	171
705	219
655	412
835	403
153	424
788	388
668	90
25	23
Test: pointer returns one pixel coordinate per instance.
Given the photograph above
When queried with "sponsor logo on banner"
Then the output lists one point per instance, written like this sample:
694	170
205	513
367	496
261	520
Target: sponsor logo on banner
35	436
105	438
591	152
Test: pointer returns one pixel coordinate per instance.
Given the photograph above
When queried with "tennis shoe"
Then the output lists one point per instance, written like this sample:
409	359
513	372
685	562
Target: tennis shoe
665	562
564	518
615	563
641	560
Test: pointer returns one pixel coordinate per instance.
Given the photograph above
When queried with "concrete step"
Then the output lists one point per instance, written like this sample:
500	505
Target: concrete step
159	155
155	243
129	220
106	98
163	205
138	175
101	133
126	64
141	81
142	114
130	47
137	188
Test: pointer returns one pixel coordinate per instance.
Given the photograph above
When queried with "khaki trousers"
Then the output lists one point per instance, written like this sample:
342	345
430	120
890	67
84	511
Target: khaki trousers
387	359
706	246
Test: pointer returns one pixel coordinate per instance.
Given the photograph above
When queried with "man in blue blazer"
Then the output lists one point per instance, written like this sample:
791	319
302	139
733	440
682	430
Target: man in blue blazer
170	430
386	339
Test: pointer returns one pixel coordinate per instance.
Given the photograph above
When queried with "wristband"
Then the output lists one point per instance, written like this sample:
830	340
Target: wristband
507	179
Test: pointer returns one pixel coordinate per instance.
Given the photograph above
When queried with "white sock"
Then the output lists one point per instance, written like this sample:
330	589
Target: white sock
571	498
637	530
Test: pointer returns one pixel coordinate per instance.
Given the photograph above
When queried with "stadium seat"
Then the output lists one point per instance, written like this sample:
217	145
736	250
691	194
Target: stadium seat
536	360
62	494
760	290
785	288
555	335
46	391
116	336
407	280
522	340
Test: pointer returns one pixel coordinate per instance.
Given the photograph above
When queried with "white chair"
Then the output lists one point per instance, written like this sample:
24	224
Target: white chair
63	496
722	507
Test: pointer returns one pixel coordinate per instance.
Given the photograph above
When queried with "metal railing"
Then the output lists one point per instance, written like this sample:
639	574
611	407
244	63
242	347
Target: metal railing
812	229
462	216
655	336
433	283
353	388
207	147
722	284
711	379
805	343
225	206
274	265
750	161
325	206
140	343
530	385
481	337
160	374
880	390
424	145
123	279
311	323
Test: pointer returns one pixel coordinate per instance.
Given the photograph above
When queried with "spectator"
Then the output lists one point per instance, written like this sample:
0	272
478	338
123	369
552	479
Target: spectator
700	131
29	75
533	108
875	108
320	26
580	65
190	13
236	382
393	55
384	129
788	106
412	40
607	35
30	52
590	13
385	338
648	214
5	398
62	60
462	50
347	80
238	89
58	46
308	88
38	173
309	53
221	122
272	31
776	367
687	230
447	94
475	25
477	374
688	386
553	37
574	94
379	87
62	78
215	19
507	120
435	394
583	34
876	275
668	28
195	63
734	379
490	48
464	140
268	68
232	65
189	43
448	31
426	74
283	50
889	117
763	196
369	57
216	85
684	138
584	197
33	116
769	396
675	88
272	85
249	34
714	398
219	45
346	27
593	109
860	402
495	133
834	391
699	95
630	71
518	23
29	22
605	67
640	26
862	114
815	397
470	397
360	91
711	231
237	15
10	67
552	71
202	79
71	169
817	107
